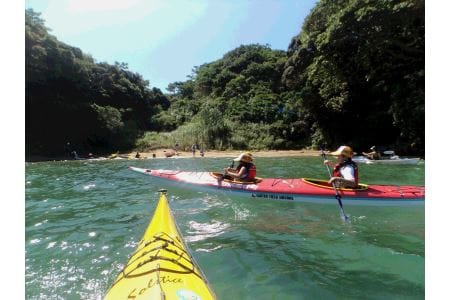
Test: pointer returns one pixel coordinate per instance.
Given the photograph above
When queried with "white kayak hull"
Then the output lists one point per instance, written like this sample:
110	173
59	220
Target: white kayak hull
396	161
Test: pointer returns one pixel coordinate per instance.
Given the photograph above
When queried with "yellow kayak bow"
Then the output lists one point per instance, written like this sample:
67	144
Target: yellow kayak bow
161	267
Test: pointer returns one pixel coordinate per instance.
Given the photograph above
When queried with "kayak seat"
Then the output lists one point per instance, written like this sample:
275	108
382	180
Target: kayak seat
326	185
227	178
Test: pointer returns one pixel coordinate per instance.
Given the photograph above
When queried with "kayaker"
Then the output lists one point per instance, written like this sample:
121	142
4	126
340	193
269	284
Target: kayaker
373	154
345	172
246	170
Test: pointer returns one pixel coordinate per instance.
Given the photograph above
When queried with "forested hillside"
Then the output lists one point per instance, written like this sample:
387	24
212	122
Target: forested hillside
354	74
359	68
72	98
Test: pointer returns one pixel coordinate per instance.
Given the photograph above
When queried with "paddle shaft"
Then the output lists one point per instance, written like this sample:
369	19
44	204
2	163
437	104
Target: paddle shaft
337	195
231	166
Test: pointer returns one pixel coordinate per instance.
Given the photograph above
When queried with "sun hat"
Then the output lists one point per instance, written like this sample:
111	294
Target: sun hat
343	150
245	157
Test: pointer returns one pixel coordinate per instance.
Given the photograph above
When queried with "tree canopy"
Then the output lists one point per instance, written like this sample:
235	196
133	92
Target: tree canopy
72	98
354	74
359	68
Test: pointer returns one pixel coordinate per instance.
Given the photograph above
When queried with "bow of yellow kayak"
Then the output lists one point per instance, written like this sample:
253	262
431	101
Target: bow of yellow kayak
161	267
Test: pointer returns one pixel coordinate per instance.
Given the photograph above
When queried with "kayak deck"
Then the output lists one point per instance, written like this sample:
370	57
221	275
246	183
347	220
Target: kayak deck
161	267
294	189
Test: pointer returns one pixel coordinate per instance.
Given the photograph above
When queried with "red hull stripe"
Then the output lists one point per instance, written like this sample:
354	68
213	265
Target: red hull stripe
294	186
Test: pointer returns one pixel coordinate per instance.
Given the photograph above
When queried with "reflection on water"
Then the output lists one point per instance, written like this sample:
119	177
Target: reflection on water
84	219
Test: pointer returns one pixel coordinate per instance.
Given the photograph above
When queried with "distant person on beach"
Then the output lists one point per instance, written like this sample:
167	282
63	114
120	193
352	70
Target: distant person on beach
373	154
68	149
74	155
202	152
245	171
137	155
154	155
176	147
193	149
345	172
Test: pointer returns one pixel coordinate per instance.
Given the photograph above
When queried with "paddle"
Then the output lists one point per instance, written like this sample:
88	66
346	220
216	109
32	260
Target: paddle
222	177
337	195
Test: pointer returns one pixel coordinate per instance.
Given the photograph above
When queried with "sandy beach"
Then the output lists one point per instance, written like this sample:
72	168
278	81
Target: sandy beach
161	153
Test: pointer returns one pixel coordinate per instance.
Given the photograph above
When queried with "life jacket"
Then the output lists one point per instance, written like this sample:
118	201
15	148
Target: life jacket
347	162
251	171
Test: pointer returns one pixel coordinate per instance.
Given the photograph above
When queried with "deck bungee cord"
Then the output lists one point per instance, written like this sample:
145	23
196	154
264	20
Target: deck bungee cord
161	267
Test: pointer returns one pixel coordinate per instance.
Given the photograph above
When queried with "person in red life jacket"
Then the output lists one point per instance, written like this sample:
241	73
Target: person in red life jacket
246	170
345	172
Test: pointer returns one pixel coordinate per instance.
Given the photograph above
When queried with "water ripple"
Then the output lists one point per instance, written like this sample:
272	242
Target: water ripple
84	220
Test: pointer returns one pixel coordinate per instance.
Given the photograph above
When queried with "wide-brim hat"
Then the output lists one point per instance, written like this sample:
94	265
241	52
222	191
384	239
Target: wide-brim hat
245	157
343	150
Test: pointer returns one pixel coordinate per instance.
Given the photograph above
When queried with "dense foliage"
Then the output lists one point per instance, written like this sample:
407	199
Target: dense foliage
354	74
237	101
359	68
71	98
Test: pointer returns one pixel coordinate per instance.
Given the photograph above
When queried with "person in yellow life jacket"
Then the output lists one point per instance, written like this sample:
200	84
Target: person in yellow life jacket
245	171
345	172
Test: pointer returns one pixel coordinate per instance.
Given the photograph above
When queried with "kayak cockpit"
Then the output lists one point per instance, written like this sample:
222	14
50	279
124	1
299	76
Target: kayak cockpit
324	184
227	178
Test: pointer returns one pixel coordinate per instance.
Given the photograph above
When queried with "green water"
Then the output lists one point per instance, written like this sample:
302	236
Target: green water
83	220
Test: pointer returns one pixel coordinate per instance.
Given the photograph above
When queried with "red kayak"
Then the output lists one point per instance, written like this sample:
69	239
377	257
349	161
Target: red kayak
294	190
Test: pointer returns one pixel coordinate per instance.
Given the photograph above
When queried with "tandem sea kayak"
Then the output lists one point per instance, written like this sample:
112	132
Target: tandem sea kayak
161	266
293	190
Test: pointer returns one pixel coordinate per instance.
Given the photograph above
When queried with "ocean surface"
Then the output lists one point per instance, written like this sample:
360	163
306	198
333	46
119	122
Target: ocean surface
84	219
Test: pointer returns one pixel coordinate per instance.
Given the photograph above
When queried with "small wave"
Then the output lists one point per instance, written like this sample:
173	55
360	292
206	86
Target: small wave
202	231
241	214
40	223
209	250
88	186
51	245
131	244
64	245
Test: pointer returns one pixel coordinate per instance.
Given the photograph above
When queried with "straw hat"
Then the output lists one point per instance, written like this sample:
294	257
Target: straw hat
343	150
244	157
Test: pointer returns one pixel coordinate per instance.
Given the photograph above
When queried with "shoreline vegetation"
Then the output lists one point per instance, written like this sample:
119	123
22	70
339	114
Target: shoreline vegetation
160	153
353	75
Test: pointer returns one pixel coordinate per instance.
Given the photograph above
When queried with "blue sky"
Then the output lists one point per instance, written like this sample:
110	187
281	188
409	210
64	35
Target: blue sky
164	39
